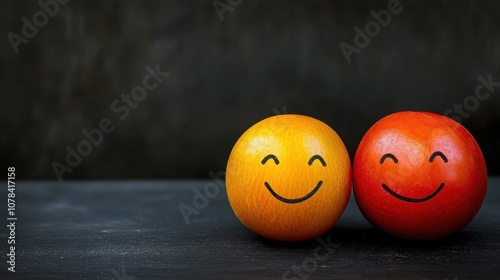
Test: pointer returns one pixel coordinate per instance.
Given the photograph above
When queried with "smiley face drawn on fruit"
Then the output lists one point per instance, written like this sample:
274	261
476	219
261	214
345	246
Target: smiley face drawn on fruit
294	200
408	199
288	178
419	175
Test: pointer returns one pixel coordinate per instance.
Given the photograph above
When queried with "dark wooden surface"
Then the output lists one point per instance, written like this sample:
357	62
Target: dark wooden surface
134	230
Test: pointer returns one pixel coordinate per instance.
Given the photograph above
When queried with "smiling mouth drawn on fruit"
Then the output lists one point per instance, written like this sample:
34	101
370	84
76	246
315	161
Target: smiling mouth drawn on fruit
408	199
293	200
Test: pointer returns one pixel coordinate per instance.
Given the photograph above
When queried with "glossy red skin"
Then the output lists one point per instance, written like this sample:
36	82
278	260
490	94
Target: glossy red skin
413	137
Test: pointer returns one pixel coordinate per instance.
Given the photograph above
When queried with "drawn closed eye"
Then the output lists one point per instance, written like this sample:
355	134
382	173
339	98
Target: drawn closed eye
317	157
270	156
388	155
438	154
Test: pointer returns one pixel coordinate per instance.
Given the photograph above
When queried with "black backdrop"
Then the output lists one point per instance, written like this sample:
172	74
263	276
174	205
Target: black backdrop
231	64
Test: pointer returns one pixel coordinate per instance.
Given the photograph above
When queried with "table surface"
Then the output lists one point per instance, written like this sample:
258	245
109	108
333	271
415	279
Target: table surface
127	230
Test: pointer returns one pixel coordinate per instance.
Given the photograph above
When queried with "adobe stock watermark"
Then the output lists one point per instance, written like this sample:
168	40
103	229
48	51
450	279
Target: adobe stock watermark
121	107
372	29
470	104
49	8
310	264
222	7
201	199
122	276
284	111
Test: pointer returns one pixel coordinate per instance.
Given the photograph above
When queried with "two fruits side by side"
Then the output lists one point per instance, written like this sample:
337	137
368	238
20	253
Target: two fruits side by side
416	175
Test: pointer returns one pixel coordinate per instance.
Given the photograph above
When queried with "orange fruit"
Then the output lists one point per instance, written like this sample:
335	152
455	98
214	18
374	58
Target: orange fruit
288	178
419	175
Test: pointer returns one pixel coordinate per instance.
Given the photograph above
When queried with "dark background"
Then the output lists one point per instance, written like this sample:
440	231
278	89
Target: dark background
227	75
